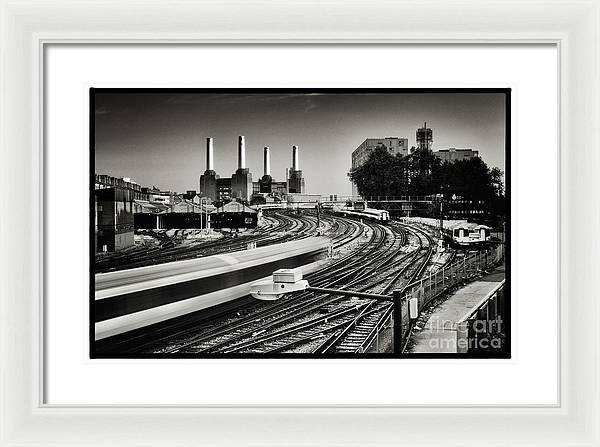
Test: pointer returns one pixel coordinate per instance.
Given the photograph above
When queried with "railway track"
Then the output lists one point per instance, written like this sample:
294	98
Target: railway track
313	323
342	232
280	227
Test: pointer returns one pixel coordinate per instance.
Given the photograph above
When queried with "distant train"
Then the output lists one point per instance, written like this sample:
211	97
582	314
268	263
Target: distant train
367	213
463	234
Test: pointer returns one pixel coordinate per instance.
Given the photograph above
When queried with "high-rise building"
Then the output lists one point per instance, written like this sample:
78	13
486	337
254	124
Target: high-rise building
360	155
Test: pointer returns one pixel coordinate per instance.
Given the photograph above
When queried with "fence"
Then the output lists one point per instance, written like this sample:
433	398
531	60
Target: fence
483	328
457	272
339	198
372	341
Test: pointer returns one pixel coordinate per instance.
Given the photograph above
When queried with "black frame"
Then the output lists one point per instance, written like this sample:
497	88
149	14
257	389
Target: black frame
507	157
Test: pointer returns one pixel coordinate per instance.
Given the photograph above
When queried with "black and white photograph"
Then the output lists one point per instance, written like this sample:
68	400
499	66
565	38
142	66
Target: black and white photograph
300	223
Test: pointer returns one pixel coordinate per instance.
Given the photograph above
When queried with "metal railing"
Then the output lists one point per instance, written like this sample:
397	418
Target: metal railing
372	340
401	199
483	327
383	198
457	272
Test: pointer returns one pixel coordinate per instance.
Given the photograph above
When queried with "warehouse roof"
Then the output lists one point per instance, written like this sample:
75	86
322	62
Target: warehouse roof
180	207
235	207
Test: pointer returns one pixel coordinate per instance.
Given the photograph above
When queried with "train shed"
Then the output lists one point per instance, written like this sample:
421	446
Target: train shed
234	215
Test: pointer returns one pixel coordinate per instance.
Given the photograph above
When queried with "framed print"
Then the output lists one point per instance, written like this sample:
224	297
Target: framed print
170	325
299	220
421	236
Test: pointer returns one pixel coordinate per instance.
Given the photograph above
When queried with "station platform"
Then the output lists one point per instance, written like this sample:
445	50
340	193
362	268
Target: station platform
438	333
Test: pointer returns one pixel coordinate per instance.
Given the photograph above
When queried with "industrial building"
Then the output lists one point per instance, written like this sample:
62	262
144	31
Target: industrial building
266	184
103	181
114	207
361	154
453	154
240	185
241	180
394	145
234	215
190	194
295	182
150	215
114	219
208	180
122	206
424	137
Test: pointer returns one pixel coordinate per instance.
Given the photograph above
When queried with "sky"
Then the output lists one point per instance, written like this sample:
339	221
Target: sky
160	139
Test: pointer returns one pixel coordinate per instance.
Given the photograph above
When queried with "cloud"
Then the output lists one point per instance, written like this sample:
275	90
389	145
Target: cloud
233	99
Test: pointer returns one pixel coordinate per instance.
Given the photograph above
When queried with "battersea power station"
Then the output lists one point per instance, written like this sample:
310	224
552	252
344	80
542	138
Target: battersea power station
240	185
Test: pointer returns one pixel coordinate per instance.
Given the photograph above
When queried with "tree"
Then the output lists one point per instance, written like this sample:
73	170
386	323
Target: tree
422	173
423	168
381	175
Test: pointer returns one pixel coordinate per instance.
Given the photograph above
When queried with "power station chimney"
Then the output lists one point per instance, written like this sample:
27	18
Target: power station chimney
295	163
267	161
241	152
209	155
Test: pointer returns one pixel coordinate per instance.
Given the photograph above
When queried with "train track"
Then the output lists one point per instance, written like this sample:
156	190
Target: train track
279	227
313	323
342	232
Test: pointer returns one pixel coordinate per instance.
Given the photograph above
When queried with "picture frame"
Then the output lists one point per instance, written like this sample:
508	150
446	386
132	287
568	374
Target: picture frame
29	26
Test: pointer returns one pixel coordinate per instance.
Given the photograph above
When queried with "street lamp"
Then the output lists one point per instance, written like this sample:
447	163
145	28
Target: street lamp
290	280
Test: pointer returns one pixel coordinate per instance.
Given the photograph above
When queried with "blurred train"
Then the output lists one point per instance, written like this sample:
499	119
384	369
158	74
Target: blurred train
126	300
380	216
463	234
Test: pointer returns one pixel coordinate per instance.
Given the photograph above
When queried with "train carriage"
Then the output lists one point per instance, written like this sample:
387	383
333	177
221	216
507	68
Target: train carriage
381	216
465	234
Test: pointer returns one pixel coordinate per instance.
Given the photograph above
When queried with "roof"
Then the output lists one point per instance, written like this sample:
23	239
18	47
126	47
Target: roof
456	224
180	207
151	207
186	207
235	207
